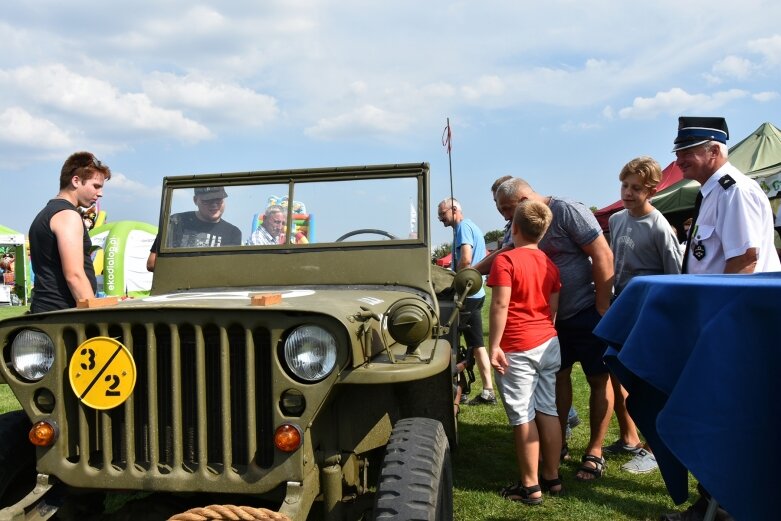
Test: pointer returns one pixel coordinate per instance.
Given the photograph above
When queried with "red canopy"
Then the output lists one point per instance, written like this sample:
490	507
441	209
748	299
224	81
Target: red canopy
670	175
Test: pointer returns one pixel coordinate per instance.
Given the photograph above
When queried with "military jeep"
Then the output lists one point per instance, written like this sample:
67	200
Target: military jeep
312	375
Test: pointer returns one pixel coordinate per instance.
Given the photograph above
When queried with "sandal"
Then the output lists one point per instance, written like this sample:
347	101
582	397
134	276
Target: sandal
596	471
565	453
547	485
517	492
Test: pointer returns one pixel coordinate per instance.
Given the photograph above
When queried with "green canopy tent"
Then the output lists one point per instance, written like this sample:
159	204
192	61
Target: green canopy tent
758	156
15	242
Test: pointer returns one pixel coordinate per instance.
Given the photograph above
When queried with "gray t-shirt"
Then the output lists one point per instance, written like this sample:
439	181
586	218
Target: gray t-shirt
642	246
573	226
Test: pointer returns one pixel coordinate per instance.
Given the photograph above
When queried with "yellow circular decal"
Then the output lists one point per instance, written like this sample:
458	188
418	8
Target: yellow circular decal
102	373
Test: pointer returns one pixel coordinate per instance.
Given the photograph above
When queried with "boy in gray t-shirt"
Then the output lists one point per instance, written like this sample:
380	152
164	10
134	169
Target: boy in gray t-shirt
643	243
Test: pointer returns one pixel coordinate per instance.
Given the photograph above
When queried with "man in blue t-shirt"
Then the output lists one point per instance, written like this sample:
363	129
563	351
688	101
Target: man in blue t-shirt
469	248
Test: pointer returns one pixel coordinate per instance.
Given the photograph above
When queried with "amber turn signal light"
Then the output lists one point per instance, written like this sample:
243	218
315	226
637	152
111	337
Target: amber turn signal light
43	434
287	437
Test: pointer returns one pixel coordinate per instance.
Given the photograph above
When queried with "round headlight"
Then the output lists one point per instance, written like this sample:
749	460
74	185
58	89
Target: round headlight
32	354
310	353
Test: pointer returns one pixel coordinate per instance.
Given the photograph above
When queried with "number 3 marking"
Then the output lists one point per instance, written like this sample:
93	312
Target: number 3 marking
90	354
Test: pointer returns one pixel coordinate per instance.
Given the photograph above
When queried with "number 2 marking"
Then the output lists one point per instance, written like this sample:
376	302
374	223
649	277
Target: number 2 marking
114	379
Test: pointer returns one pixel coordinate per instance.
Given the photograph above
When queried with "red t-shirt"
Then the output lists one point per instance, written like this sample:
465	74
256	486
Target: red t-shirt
532	278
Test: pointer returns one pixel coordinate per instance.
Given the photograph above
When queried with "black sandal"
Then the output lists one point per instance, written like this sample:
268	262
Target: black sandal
597	470
517	492
547	485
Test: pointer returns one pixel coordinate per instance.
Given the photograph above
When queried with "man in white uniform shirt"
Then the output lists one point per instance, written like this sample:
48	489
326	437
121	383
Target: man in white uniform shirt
733	230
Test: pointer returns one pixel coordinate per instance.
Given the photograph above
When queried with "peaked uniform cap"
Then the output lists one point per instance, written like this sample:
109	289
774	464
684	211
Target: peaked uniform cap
694	131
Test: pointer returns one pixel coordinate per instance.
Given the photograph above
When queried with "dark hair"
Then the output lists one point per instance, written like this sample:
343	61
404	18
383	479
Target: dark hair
84	165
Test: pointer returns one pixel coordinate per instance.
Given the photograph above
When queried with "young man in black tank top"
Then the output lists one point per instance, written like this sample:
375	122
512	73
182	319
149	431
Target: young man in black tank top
59	243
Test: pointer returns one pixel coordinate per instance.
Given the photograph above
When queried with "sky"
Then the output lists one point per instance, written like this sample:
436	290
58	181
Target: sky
561	93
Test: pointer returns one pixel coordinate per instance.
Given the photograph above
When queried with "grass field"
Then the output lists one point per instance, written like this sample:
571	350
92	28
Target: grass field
485	462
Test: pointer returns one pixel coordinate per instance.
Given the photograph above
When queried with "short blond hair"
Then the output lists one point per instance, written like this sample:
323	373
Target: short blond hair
532	218
646	168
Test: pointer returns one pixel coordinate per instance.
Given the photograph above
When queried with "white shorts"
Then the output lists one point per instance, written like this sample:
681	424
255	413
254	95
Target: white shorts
529	382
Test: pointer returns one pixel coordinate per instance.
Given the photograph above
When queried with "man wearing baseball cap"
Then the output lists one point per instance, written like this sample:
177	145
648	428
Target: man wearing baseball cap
204	227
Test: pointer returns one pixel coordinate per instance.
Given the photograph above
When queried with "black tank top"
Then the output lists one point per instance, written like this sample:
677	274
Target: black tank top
51	291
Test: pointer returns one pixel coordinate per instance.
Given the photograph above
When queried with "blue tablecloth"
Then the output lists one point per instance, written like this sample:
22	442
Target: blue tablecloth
700	356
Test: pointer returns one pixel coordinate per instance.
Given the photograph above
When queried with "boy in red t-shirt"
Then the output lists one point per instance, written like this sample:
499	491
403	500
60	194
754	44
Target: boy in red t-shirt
525	353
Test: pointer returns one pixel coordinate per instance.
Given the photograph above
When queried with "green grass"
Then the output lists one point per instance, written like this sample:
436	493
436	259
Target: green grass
485	462
8	401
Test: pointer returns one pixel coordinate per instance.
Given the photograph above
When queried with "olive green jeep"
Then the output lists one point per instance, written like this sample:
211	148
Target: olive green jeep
310	374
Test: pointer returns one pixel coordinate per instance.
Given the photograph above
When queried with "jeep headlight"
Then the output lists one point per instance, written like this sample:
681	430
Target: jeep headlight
310	353
32	354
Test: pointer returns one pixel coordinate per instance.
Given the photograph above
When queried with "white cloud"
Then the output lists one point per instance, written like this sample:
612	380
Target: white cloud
58	88
367	119
218	100
769	48
734	66
571	126
676	101
22	128
129	189
486	86
766	96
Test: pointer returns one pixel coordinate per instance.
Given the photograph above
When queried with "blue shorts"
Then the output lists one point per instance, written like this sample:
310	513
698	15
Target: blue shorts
578	343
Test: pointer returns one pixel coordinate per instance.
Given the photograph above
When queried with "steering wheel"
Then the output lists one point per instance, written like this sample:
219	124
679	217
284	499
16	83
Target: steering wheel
366	230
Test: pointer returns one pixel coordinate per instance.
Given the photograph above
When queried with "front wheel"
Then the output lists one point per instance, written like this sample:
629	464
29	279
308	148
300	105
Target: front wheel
17	458
416	478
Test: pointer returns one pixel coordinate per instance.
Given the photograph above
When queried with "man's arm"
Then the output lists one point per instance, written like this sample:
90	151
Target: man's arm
601	271
68	228
745	263
484	266
465	259
151	261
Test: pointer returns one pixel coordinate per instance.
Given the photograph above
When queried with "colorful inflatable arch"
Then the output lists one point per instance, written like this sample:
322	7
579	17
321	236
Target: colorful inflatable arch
120	250
303	223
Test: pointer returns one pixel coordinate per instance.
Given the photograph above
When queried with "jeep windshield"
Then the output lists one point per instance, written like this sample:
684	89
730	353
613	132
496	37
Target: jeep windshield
346	226
270	210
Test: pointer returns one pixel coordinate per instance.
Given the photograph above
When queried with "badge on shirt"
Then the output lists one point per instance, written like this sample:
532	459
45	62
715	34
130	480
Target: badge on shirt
698	251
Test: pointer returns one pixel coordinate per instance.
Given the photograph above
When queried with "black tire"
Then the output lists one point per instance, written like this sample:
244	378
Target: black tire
416	478
17	458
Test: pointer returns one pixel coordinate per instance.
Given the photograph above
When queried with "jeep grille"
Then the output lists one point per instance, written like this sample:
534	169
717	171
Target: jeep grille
201	403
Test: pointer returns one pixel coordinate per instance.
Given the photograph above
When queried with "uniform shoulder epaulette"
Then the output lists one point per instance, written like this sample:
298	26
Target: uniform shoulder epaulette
726	181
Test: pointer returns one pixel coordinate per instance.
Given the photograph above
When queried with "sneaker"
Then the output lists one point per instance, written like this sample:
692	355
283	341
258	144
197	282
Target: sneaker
482	400
642	463
618	447
573	420
464	398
